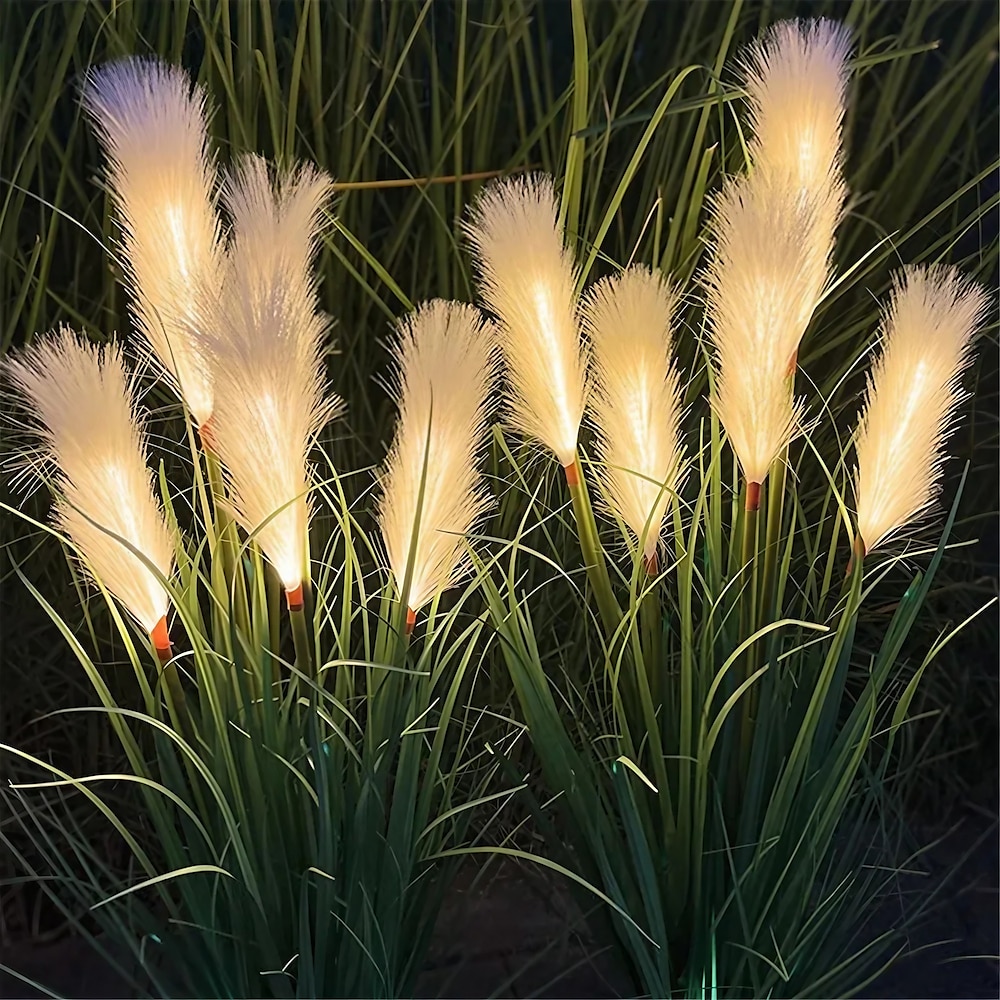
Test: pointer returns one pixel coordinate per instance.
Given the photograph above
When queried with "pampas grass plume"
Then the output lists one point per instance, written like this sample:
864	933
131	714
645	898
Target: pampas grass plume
152	124
636	404
445	366
913	390
81	403
796	78
527	278
265	340
766	275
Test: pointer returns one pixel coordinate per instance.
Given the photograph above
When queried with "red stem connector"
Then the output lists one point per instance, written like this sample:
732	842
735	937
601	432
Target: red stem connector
294	597
652	563
161	640
205	434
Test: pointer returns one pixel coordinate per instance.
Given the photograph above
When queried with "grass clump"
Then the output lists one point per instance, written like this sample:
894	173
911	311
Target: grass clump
721	716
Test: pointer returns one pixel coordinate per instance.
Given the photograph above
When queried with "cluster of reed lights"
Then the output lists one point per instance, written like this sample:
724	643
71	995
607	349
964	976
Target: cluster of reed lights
228	315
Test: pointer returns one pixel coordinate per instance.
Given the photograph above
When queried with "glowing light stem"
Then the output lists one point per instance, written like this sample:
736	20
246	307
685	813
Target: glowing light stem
300	629
593	554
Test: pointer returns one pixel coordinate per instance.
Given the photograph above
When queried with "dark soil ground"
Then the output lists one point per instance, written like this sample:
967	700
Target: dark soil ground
509	935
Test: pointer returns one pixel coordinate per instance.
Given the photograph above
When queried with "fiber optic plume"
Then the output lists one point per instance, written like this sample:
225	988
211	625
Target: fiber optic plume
151	121
636	404
82	404
913	391
265	340
445	367
796	79
527	278
765	277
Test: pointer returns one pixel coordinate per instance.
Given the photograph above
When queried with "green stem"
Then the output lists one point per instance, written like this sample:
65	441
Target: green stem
228	545
748	595
593	554
748	621
300	638
775	515
223	519
649	617
172	688
772	538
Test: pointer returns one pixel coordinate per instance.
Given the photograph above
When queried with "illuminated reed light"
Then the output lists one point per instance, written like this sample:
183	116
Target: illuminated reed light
796	82
528	279
151	121
636	403
445	367
767	272
266	339
913	391
81	404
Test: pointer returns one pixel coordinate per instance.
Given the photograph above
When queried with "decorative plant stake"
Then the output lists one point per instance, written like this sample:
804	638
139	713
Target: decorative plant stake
152	124
913	391
796	80
81	403
265	339
432	492
528	279
636	401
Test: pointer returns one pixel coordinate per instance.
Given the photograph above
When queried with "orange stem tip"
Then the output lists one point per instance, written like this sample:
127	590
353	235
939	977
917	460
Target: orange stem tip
205	433
161	640
294	597
411	620
652	563
793	362
753	496
572	474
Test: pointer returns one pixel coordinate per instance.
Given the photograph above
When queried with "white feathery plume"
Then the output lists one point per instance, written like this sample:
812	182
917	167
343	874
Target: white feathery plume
764	280
796	80
445	367
151	122
82	404
528	280
913	390
636	403
265	340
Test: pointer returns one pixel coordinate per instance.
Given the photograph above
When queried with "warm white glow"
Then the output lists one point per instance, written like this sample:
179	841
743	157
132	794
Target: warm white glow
913	390
176	220
444	369
527	279
82	404
636	404
767	272
796	79
265	338
152	124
